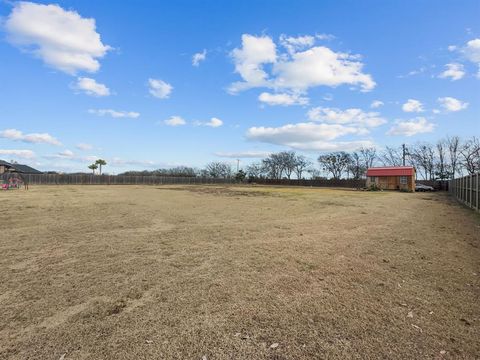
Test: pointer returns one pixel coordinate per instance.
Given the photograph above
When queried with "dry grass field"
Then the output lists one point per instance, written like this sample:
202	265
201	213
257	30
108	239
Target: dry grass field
126	272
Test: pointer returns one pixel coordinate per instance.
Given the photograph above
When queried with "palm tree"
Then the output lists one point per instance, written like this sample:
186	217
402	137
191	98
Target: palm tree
93	167
100	163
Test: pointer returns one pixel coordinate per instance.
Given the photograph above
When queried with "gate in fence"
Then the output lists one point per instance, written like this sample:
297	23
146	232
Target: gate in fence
467	190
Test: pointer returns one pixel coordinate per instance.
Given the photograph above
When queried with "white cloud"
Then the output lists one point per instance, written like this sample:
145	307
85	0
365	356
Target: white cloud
295	70
91	87
294	44
376	104
412	105
175	121
243	154
308	136
84	146
283	99
348	116
451	104
121	162
24	154
62	39
472	51
249	60
214	122
419	125
159	88
454	71
325	36
35	138
199	57
115	113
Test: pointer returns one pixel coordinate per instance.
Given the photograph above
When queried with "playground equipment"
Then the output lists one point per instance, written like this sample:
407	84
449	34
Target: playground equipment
12	181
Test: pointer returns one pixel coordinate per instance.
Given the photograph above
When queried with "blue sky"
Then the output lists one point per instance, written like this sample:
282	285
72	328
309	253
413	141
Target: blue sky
81	80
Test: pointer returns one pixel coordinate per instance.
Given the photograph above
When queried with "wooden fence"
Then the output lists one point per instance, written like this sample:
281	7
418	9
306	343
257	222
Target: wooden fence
87	179
467	190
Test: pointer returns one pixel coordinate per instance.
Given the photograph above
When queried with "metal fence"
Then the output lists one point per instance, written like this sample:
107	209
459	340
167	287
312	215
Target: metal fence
467	189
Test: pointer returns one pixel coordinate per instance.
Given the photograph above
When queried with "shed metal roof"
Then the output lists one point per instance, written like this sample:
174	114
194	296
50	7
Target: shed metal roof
391	171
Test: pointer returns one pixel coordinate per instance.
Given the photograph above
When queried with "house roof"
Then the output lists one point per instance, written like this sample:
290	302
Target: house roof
25	169
391	171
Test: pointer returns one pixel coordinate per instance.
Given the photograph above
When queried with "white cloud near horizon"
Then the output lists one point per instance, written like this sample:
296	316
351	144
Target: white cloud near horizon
412	105
34	138
419	125
243	154
454	71
451	104
62	39
114	113
197	58
282	99
24	154
159	88
301	67
91	87
309	136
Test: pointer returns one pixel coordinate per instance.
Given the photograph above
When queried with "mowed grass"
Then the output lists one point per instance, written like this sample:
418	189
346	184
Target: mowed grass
127	272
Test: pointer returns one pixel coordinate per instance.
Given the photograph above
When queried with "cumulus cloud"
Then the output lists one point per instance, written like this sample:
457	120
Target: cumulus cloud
243	154
199	57
412	105
472	51
91	87
451	104
309	136
419	125
348	116
294	44
303	66
454	71
159	88
282	99
35	138
84	146
24	154
175	121
214	122
62	39
114	113
376	104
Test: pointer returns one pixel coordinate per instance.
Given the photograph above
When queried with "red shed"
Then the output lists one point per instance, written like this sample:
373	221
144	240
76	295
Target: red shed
392	177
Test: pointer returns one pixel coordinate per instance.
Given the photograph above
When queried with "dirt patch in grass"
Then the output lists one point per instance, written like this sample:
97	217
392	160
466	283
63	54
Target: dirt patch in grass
232	272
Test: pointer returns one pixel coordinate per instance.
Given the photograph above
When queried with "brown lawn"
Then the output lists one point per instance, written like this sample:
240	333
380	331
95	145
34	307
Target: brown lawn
126	272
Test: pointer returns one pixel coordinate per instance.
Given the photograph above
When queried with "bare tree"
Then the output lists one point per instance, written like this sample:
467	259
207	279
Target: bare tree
301	165
369	155
218	169
287	159
391	156
423	156
442	171
255	171
335	163
356	166
453	144
470	153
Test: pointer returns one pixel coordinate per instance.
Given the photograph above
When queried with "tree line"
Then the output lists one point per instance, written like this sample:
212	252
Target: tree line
447	158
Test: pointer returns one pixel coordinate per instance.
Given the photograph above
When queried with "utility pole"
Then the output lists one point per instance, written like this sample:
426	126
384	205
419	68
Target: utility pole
404	153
